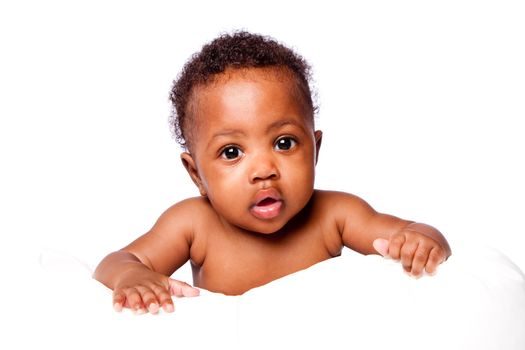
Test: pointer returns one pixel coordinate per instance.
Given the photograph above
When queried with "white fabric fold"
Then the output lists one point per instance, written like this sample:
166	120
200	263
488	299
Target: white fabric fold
475	301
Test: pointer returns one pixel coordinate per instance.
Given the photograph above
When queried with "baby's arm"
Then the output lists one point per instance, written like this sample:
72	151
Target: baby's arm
138	274
419	247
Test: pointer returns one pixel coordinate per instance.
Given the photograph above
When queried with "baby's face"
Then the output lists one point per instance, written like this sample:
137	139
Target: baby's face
254	149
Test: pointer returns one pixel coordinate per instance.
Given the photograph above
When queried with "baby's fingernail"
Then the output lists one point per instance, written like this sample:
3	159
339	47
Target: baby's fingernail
168	307
433	273
153	308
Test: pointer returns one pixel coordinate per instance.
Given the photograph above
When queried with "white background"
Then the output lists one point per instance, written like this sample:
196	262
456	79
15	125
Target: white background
420	101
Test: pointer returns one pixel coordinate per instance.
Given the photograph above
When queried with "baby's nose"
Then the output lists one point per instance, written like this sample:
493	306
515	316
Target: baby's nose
263	168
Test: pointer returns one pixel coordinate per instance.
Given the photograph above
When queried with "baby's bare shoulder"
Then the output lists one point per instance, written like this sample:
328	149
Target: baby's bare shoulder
189	205
334	199
184	214
341	206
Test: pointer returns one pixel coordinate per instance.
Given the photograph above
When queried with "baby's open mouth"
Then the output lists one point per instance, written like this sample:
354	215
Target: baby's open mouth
266	201
268	204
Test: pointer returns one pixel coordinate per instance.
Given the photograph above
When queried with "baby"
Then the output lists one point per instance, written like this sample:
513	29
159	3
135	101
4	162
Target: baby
243	112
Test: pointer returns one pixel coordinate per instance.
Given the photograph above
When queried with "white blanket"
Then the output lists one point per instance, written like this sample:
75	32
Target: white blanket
476	301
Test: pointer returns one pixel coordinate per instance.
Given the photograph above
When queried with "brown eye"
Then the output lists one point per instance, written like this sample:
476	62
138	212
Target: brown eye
285	143
231	152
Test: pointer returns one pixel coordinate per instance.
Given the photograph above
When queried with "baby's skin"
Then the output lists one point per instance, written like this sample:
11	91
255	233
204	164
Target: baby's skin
252	156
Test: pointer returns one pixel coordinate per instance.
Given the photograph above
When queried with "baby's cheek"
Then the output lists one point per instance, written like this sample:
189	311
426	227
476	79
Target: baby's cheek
300	192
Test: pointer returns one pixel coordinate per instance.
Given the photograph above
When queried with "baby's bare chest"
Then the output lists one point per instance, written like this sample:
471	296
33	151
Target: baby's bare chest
234	264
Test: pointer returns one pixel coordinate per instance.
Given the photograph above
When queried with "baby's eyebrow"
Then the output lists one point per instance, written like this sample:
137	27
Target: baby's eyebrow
226	133
229	132
280	123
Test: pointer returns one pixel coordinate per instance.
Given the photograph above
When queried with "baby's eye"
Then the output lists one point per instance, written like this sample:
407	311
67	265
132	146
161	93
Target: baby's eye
285	143
231	152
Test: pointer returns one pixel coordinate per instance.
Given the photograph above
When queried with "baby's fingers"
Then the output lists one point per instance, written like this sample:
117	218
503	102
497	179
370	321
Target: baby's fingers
128	297
435	258
408	252
182	289
420	260
149	300
139	299
394	246
119	299
381	246
164	298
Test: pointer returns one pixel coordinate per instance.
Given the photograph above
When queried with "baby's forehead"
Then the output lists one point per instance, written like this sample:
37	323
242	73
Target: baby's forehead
278	79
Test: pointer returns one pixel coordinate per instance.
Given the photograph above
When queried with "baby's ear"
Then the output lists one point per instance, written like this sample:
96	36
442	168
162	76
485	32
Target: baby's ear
191	168
318	138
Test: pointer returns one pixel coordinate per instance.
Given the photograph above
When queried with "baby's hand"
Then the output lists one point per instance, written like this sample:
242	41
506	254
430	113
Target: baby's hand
416	251
146	290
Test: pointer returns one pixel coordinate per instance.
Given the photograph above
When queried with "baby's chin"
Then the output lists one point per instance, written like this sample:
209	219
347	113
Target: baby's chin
263	227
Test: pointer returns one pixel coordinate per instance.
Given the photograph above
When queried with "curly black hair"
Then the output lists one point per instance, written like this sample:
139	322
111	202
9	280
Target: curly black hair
238	50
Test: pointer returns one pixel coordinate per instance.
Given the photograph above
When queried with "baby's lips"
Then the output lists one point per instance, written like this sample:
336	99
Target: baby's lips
267	210
265	194
268	204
